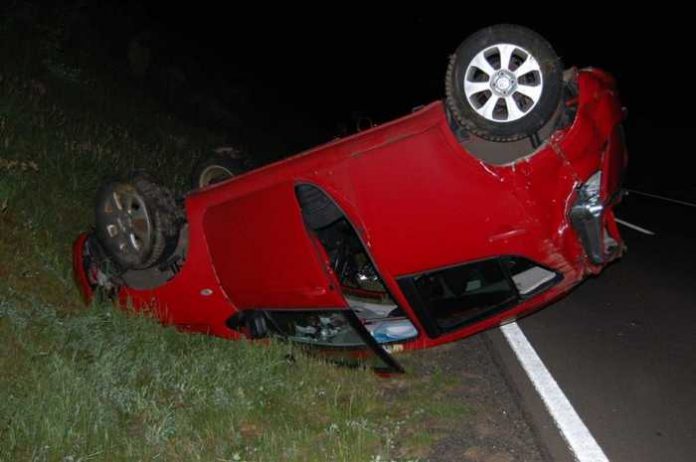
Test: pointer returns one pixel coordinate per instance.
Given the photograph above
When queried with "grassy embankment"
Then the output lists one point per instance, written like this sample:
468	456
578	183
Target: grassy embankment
80	383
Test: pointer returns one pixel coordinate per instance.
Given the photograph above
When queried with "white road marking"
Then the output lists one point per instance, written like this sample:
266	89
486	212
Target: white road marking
635	227
579	439
664	198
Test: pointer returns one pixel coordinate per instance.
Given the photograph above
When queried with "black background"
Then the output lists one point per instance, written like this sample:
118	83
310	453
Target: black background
321	64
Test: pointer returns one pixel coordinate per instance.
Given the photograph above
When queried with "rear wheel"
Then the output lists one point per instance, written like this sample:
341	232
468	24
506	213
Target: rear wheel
215	169
504	83
136	222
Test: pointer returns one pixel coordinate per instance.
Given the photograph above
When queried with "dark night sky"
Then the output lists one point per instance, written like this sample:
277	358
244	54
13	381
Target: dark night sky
321	64
377	58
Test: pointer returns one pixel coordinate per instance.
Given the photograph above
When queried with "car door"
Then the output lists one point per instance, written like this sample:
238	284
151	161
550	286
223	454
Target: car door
265	260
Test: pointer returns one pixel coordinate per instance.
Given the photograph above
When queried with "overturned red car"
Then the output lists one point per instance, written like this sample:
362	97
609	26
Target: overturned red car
463	215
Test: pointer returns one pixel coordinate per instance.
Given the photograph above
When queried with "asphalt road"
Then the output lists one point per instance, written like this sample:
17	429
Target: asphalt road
622	346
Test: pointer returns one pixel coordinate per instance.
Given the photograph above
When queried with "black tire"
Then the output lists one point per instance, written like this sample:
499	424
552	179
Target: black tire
137	222
504	86
214	169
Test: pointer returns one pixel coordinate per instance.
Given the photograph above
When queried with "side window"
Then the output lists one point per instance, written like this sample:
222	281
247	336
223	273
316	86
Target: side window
528	277
361	284
462	294
451	298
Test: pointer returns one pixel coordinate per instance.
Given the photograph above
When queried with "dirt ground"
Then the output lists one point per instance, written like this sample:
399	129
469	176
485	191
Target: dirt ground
494	429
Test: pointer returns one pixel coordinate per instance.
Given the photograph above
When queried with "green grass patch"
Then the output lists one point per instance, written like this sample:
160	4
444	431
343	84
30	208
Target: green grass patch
111	386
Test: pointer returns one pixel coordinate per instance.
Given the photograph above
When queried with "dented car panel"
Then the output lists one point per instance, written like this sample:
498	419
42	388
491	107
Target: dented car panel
419	203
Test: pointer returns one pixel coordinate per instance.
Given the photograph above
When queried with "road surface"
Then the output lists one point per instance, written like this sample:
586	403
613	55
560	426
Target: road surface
622	346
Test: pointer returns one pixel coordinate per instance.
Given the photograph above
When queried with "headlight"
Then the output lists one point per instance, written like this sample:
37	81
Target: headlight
591	187
586	216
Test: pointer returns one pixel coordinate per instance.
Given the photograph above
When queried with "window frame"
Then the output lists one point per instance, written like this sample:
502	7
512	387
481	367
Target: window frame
428	320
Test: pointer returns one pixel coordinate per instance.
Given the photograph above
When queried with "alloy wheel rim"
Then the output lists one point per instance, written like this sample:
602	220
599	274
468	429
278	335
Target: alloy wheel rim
503	83
128	226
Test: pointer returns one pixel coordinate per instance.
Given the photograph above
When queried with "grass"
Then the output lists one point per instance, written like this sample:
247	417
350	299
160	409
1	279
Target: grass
98	383
111	386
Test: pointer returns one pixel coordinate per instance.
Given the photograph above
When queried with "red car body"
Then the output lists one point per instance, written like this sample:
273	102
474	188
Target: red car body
419	202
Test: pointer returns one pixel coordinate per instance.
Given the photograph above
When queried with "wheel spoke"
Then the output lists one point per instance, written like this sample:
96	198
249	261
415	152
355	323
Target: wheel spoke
529	65
532	92
487	109
505	51
471	88
135	242
128	201
513	111
116	200
480	62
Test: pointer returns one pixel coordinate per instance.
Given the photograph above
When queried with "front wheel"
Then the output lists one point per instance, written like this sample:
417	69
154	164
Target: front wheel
504	83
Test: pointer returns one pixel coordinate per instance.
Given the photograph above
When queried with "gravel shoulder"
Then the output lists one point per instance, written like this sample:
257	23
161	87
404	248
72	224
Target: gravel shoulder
493	428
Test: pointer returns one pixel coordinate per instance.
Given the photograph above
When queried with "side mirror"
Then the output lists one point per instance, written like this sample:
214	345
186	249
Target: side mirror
253	324
256	324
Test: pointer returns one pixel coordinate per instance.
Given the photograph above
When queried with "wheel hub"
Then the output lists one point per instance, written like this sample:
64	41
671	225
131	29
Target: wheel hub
503	83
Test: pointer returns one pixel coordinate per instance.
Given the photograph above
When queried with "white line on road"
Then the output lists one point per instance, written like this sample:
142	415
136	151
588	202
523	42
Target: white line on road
580	441
635	227
664	198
